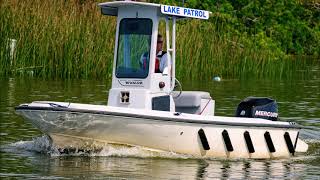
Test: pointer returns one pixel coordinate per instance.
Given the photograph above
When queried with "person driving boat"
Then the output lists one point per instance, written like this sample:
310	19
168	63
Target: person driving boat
162	56
161	59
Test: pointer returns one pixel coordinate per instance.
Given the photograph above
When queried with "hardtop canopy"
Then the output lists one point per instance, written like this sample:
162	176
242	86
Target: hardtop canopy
111	9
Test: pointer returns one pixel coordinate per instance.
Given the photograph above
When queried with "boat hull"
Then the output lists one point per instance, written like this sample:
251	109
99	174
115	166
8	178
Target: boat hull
89	130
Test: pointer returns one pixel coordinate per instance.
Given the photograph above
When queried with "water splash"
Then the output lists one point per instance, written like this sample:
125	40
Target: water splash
36	145
44	145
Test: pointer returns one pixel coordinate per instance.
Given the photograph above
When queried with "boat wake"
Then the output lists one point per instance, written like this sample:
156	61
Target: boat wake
43	145
36	145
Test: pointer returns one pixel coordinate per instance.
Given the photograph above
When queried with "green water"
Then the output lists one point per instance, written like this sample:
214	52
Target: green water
26	154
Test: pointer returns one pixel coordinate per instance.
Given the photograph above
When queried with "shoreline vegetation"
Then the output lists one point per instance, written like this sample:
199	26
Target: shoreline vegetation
71	39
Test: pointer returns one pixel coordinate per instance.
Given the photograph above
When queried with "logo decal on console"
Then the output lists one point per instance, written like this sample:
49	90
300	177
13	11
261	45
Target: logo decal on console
138	83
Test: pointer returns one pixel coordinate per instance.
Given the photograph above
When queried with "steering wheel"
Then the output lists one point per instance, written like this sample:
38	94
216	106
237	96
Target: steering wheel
178	88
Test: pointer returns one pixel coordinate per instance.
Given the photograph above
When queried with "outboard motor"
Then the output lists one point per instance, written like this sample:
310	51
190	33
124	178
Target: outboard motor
258	107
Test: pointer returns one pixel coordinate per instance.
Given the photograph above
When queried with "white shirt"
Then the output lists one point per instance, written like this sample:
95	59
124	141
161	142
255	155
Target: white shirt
163	61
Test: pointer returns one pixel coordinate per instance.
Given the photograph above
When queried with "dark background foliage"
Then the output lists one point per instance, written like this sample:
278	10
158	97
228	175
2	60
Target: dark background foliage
290	26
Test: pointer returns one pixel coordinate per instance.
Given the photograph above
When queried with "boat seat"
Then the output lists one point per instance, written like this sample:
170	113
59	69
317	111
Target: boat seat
190	101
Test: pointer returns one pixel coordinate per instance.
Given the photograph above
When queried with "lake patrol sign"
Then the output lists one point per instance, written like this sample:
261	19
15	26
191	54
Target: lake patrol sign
184	12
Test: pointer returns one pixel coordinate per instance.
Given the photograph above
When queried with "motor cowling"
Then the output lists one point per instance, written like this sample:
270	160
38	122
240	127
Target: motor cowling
258	107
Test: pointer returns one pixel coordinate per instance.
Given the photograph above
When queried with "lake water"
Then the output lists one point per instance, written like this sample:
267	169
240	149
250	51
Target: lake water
25	152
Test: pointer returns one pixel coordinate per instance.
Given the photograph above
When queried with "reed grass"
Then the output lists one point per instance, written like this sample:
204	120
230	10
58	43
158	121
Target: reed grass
210	51
71	39
66	39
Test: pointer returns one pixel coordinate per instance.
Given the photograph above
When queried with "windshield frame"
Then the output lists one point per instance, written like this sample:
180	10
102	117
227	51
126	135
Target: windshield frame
133	72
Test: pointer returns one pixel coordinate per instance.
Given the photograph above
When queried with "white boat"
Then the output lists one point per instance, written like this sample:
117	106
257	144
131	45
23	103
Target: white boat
143	110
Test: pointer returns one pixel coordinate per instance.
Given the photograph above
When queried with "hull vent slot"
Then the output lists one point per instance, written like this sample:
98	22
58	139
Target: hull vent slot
269	142
203	140
289	143
227	140
248	142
